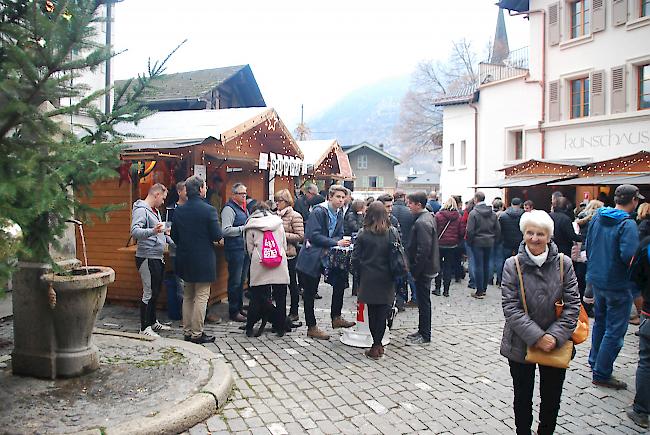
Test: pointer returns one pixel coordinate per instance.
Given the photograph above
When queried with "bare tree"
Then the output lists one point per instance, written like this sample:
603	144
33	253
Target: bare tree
420	125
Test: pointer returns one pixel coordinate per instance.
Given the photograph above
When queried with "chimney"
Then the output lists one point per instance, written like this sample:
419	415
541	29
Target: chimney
381	146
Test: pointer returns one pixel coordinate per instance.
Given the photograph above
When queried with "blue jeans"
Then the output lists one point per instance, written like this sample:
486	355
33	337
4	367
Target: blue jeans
481	267
238	264
496	262
411	282
471	265
611	316
642	398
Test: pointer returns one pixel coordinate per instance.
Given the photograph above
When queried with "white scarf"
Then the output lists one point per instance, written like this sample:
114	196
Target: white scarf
538	259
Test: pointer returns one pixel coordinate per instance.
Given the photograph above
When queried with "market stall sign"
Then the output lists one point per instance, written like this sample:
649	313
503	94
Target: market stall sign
279	164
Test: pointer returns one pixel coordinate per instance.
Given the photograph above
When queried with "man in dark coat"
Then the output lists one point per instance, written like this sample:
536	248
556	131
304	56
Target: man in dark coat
405	219
483	231
424	262
324	230
195	228
511	235
563	234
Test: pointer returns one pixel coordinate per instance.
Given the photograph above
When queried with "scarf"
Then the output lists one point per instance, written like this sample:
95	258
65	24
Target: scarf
538	259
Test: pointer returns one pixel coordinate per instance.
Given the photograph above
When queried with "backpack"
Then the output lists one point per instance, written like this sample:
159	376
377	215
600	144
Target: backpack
270	255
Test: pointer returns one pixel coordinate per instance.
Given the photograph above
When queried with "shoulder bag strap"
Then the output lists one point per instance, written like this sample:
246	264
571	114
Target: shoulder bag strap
521	284
445	229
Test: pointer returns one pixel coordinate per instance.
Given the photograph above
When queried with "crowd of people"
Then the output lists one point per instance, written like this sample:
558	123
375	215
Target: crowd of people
590	257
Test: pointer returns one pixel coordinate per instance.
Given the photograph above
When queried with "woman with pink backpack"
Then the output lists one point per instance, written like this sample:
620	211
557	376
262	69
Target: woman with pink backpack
266	245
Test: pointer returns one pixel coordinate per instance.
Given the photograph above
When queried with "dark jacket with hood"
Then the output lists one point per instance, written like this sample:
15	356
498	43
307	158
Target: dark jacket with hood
644	228
370	259
563	233
424	259
455	229
353	222
483	229
611	241
313	256
543	286
405	219
511	235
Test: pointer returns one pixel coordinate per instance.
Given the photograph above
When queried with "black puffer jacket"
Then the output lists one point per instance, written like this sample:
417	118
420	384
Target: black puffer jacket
510	233
563	233
405	219
483	229
353	223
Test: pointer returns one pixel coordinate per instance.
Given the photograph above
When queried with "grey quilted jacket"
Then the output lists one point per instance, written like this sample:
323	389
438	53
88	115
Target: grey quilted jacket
543	288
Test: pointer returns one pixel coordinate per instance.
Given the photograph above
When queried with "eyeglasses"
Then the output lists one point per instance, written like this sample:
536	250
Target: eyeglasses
240	193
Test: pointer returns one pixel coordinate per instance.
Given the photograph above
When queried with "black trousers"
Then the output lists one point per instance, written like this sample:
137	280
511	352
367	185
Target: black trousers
294	288
550	391
260	296
279	294
310	287
377	315
339	281
423	290
152	272
448	262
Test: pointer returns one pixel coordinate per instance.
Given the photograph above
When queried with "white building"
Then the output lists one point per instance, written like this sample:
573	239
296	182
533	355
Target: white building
592	60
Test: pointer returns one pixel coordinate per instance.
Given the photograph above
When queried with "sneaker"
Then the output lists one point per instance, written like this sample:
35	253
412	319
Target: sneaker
315	332
611	383
638	419
317	296
413	335
418	341
477	295
160	327
446	293
436	292
293	317
340	322
148	331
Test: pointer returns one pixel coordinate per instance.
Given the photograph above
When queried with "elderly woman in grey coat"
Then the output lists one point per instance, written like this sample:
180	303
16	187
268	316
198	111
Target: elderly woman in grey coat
540	327
370	263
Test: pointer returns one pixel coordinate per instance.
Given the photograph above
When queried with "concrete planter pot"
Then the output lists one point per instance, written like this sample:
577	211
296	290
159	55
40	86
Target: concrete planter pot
56	341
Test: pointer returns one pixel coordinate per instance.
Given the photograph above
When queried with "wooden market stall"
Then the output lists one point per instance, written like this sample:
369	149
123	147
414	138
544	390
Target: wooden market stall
326	161
246	145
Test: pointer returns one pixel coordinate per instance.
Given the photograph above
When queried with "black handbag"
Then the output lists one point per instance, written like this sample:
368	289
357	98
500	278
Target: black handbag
397	260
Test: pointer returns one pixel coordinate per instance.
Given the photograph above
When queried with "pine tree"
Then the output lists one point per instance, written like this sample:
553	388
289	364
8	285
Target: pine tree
45	168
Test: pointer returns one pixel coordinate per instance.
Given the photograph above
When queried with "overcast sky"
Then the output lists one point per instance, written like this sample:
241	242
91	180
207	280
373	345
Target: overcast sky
303	51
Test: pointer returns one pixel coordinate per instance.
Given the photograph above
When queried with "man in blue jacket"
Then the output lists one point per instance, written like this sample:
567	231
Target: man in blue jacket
324	230
612	240
195	228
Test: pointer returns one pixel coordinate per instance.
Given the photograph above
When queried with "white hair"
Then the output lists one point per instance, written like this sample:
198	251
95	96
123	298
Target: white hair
538	218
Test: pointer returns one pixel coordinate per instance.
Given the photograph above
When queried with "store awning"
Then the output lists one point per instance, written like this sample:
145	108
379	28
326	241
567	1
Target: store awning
603	180
519	181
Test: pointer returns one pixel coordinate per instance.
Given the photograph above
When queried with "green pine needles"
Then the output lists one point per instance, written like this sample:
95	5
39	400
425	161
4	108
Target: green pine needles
47	160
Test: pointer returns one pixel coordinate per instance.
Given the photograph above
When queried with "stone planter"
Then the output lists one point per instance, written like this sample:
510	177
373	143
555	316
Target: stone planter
56	341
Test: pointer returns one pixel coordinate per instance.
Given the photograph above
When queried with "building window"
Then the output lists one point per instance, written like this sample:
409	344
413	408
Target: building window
580	16
463	153
518	145
644	87
362	161
580	98
372	181
451	155
645	8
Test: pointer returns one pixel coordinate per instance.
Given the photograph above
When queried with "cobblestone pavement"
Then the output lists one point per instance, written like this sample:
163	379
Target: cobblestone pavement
460	384
136	379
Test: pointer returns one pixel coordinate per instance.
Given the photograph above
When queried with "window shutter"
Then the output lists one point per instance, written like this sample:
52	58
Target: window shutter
554	100
554	24
618	89
619	12
598	16
597	93
364	181
380	181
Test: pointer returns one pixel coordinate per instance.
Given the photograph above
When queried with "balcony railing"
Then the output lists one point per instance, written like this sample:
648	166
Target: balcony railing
516	64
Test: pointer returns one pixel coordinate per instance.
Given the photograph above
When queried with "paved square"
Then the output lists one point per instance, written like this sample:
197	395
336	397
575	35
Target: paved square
460	384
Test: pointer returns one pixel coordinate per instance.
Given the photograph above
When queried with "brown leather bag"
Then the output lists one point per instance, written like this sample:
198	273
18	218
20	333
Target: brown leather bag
581	332
560	357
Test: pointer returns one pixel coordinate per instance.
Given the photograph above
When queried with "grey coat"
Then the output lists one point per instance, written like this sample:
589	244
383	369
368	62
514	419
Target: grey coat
543	289
370	261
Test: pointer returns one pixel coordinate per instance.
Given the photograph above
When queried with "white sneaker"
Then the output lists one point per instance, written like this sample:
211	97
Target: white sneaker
148	331
160	327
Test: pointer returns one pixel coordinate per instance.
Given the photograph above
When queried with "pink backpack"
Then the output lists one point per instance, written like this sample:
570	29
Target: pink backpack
270	255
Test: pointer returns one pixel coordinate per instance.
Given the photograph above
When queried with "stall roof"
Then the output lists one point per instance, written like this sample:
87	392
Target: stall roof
178	129
518	181
317	151
602	180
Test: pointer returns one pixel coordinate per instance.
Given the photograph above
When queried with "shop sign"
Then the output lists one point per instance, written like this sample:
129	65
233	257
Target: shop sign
279	164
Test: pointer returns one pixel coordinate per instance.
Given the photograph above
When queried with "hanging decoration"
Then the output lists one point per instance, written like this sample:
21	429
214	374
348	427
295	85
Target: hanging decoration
125	173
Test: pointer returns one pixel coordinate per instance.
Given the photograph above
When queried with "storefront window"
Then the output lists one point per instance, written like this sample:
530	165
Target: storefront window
644	87
580	98
580	16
